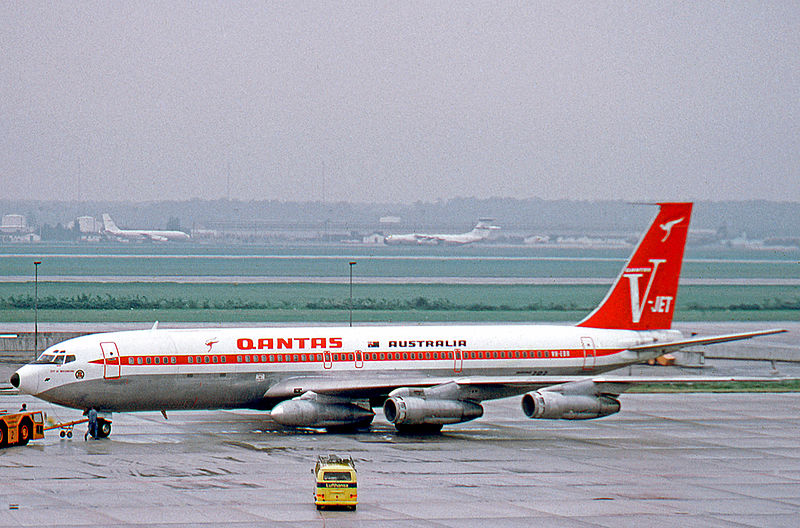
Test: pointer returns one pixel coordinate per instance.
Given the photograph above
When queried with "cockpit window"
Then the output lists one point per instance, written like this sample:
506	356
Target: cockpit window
50	358
55	357
46	358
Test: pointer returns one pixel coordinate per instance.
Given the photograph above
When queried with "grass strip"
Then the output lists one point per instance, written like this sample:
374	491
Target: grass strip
790	385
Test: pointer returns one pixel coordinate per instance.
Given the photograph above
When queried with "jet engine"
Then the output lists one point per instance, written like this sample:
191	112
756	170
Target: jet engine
428	407
314	410
554	405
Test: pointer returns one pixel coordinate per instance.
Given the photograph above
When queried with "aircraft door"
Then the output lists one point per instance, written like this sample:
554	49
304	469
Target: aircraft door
589	354
359	359
458	360
111	361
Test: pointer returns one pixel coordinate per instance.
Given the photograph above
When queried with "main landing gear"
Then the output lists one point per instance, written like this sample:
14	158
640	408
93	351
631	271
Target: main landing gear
103	428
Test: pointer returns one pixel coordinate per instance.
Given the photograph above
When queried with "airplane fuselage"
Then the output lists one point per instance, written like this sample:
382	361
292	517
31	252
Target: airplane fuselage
227	368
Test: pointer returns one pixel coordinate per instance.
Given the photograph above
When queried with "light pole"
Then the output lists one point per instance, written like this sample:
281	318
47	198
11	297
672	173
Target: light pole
36	308
352	263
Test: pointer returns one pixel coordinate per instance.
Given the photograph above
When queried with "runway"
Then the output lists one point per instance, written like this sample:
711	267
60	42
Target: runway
704	460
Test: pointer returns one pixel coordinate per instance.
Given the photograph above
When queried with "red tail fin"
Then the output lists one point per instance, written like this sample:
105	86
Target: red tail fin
643	296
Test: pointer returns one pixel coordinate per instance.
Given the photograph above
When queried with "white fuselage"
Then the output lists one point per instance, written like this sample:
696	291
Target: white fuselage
253	367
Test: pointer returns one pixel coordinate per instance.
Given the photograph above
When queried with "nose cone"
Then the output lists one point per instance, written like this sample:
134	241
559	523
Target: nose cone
26	379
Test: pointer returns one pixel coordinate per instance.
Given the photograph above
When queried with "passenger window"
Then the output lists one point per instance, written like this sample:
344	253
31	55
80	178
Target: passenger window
172	360
271	358
205	359
214	359
263	359
131	361
238	359
190	359
158	361
302	357
138	361
148	360
223	359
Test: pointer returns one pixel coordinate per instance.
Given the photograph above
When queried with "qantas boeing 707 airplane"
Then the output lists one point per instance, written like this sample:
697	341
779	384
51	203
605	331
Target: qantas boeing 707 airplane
424	377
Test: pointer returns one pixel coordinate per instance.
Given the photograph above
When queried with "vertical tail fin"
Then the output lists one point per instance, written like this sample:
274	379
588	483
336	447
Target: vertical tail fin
643	296
108	224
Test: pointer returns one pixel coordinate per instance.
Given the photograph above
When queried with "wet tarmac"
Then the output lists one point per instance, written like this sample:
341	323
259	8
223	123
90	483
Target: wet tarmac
704	460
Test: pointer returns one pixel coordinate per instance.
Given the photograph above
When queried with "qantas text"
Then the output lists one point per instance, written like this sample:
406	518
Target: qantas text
288	343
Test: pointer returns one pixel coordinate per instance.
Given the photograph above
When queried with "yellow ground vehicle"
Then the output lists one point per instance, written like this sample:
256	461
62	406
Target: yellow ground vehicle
336	482
19	428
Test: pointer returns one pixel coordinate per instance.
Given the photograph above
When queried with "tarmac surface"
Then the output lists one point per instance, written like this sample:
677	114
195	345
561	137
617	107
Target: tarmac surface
691	460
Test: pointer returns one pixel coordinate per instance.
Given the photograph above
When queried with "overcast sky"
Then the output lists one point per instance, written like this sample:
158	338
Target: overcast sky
400	101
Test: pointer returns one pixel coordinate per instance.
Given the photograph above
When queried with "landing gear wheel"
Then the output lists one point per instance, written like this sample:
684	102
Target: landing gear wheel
69	434
62	434
103	428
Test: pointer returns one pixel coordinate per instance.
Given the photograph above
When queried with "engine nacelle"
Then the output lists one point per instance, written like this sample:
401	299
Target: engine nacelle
413	410
311	411
554	405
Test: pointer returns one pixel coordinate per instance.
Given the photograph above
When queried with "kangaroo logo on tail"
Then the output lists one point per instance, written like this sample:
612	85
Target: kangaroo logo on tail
668	228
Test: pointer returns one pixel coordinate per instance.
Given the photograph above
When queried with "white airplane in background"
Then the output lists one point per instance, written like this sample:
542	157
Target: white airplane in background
481	231
423	376
111	229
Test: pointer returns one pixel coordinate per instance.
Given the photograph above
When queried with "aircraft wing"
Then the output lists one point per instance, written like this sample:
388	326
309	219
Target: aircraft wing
479	388
427	238
378	386
672	346
154	237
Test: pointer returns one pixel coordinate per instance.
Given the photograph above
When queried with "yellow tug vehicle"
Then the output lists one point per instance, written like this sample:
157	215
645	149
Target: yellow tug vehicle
21	427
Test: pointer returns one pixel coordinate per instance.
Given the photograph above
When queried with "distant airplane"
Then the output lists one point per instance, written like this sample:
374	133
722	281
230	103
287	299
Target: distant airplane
111	229
481	231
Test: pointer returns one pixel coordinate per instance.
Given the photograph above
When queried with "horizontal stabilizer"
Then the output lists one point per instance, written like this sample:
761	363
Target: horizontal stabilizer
677	345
